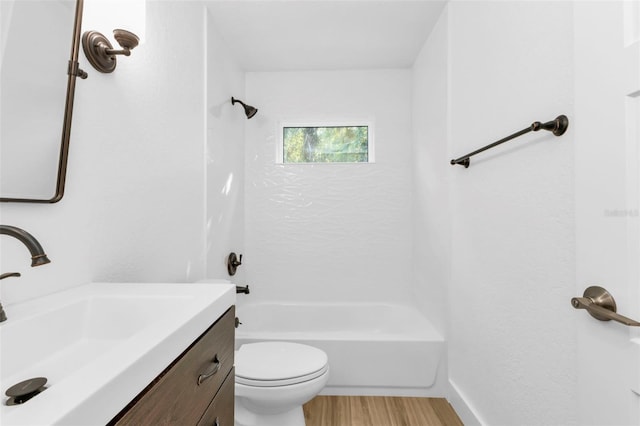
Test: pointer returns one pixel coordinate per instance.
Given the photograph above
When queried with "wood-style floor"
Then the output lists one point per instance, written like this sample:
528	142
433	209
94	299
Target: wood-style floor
379	411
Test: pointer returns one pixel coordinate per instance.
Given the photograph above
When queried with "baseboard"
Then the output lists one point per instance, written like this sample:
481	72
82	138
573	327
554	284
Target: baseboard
380	391
459	403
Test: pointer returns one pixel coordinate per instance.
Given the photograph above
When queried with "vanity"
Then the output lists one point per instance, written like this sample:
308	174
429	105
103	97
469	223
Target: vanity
196	389
123	354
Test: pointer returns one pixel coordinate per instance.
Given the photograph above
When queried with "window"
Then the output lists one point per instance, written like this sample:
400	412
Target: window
326	144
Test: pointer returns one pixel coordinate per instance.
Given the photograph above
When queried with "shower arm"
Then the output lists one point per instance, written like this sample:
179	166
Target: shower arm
557	127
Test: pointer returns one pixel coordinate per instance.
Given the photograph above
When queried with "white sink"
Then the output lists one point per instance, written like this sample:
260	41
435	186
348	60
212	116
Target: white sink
99	345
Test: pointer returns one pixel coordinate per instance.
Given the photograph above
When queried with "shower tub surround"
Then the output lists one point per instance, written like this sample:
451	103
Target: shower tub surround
373	348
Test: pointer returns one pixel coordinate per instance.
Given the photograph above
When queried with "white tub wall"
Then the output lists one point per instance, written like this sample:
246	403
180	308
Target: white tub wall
431	175
329	232
512	211
134	206
224	156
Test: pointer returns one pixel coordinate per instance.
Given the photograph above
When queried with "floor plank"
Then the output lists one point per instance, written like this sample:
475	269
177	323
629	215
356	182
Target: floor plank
379	411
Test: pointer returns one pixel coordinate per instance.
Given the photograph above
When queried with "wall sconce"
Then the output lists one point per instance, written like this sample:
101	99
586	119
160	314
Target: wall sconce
248	109
101	53
99	18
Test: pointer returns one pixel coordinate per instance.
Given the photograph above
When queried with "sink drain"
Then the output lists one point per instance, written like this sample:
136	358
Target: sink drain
25	390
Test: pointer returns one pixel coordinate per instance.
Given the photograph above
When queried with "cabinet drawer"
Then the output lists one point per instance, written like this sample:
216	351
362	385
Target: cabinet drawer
220	411
184	391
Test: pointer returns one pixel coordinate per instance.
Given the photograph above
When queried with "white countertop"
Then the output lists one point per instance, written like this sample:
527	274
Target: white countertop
99	345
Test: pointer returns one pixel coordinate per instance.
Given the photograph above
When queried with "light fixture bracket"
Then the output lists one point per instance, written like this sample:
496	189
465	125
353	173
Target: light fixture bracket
101	54
95	47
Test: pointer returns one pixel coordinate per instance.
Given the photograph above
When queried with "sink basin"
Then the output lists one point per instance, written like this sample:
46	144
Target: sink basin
99	345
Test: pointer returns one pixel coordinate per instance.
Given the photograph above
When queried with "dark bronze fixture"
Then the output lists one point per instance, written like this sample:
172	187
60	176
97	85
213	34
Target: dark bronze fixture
233	262
242	289
557	127
3	315
601	305
210	373
9	275
38	256
101	54
248	109
73	71
25	390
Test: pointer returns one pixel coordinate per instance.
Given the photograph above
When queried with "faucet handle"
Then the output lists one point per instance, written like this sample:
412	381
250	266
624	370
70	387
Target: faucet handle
3	316
9	274
233	261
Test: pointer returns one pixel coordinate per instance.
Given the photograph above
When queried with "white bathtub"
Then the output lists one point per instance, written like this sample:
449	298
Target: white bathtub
373	349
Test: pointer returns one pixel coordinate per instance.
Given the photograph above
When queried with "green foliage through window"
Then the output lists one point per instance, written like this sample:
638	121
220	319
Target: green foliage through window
334	144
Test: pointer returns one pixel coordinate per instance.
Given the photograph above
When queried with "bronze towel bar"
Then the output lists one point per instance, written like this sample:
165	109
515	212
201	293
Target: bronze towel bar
557	127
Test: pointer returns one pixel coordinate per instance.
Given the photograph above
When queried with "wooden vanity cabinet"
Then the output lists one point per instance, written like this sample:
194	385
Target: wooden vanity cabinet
220	411
196	389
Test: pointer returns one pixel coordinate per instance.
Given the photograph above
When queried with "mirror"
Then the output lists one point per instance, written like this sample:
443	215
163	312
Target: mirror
35	118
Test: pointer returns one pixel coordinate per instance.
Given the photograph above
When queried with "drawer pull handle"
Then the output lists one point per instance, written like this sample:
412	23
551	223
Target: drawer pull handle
216	422
204	376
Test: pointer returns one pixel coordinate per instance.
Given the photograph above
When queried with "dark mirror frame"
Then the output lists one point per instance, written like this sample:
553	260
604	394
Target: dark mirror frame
73	71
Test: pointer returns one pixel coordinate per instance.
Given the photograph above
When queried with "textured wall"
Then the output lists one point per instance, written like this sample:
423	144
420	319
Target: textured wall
329	232
224	157
431	172
512	349
134	206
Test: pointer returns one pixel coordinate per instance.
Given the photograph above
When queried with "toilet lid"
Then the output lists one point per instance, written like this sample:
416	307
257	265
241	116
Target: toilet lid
278	363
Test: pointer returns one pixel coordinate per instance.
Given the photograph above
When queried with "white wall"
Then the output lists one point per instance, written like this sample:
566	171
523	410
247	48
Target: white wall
431	174
329	232
512	350
224	158
134	203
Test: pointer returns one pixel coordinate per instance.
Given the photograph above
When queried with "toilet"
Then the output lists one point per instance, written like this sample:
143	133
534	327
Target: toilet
274	379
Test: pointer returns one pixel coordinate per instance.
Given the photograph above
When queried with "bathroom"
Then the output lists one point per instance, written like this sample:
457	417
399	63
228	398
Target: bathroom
166	177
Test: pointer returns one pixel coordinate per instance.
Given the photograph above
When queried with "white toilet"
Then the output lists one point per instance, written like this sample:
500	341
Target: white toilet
274	379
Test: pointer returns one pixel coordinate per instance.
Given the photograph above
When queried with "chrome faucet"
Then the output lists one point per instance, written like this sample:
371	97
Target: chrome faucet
38	256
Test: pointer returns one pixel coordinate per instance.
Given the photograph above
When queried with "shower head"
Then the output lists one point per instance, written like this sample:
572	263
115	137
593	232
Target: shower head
248	109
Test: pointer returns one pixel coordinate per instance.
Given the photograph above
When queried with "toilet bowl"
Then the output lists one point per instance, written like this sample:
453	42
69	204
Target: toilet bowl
274	379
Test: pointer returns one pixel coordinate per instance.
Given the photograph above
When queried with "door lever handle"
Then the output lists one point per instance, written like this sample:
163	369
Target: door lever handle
601	305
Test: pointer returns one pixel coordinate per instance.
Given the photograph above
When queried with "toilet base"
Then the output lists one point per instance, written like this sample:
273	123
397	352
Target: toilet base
244	417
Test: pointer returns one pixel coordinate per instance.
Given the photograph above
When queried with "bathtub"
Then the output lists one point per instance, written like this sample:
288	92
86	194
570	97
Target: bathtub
373	348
